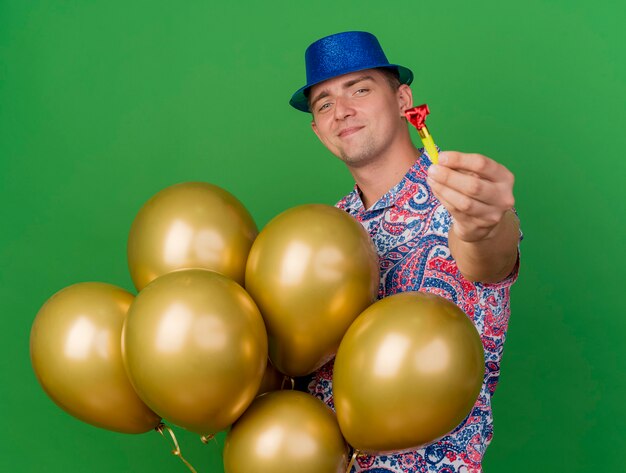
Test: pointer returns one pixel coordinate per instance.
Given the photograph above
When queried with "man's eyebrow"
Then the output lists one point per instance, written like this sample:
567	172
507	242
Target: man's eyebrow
350	83
321	95
345	85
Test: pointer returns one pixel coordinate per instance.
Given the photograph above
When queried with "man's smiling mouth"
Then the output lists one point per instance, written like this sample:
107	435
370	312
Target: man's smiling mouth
349	131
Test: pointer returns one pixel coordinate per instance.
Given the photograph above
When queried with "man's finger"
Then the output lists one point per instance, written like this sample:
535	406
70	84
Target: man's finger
476	163
462	206
465	182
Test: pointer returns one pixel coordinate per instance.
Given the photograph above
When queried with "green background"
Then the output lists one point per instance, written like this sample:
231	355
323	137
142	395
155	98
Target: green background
104	103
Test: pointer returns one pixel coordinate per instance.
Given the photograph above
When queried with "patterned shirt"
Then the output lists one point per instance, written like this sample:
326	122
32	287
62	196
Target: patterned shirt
409	227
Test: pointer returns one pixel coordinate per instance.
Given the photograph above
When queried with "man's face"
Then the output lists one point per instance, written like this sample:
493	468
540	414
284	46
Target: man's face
358	115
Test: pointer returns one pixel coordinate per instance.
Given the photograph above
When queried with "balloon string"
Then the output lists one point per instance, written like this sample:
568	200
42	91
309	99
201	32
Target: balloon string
176	452
207	438
293	382
354	455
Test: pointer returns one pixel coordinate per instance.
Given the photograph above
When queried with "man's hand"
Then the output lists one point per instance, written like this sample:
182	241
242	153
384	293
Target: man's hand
478	193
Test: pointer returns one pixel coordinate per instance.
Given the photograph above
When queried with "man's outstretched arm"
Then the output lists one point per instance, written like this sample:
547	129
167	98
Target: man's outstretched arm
478	193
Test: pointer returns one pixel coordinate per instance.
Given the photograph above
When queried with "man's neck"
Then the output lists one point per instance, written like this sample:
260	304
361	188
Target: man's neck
378	177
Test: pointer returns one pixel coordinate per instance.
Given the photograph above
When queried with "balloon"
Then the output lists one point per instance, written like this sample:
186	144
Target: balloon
76	354
195	348
285	432
311	271
407	372
272	380
190	225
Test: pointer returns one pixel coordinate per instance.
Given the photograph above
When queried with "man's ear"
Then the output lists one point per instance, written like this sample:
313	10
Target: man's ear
405	98
314	127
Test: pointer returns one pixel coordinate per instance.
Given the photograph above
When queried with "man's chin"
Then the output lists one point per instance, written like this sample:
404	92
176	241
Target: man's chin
356	161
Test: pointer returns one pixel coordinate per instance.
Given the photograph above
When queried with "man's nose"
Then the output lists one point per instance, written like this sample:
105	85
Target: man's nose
343	108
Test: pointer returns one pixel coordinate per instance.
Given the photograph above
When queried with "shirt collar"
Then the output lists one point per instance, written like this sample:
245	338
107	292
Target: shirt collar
354	203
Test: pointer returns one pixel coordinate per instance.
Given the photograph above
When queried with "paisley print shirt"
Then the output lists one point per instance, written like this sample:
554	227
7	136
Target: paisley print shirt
409	227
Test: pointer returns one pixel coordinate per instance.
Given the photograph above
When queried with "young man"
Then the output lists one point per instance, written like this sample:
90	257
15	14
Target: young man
448	228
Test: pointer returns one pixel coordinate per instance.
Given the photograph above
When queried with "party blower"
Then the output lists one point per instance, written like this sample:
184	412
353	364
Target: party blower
417	117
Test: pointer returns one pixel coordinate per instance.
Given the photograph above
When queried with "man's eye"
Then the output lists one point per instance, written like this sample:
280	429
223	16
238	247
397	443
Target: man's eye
361	91
324	107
